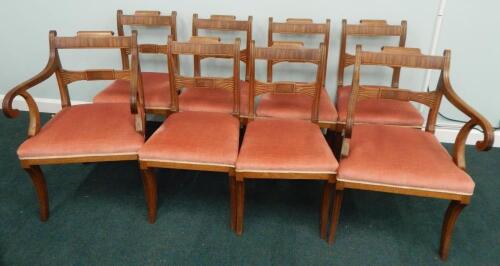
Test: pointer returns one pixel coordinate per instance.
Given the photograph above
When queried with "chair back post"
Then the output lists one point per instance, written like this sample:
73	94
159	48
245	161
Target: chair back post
174	70
136	87
61	84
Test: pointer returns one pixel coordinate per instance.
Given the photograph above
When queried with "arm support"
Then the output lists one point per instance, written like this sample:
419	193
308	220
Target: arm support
476	119
21	90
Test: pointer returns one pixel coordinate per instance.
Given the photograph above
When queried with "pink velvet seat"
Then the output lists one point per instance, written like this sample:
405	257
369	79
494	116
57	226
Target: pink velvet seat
379	111
156	91
85	130
213	100
296	106
282	145
194	137
404	158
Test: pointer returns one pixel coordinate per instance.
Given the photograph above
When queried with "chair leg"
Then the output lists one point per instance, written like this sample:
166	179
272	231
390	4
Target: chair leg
325	208
41	190
240	206
151	192
450	218
337	204
232	201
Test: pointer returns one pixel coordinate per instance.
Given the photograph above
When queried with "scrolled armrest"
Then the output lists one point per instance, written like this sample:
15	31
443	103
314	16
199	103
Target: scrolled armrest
476	119
21	90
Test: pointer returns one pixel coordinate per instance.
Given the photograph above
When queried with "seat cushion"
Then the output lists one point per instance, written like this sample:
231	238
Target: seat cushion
195	137
379	111
213	100
296	106
402	157
156	91
285	146
85	130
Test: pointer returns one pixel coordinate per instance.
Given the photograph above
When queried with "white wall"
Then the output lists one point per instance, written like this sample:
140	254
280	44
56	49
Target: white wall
468	30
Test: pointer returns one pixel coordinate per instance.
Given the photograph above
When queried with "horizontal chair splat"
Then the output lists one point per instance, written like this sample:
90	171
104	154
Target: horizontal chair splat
83	42
145	20
403	60
94	74
427	98
204	82
222	24
291	54
217	50
299	27
285	87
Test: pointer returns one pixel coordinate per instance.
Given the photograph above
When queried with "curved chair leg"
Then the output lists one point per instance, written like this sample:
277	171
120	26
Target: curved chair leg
41	190
450	218
232	200
151	192
325	208
337	204
240	206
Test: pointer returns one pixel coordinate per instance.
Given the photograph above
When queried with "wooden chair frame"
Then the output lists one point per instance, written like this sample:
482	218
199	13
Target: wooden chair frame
225	23
296	26
291	54
148	19
412	58
197	47
83	40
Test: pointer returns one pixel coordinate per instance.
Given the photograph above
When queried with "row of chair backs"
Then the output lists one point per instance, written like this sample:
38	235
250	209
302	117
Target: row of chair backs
368	28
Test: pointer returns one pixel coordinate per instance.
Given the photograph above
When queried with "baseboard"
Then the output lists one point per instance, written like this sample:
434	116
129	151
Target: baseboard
444	132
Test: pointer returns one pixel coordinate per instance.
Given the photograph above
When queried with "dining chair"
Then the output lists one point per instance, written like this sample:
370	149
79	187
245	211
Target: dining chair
218	100
297	106
195	140
405	160
378	111
156	84
97	132
278	148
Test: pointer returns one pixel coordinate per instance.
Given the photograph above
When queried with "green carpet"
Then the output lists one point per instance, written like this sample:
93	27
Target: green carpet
98	217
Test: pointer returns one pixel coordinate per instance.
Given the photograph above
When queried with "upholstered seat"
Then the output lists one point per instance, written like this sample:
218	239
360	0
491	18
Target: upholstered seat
213	100
194	137
156	91
85	130
378	111
296	106
285	145
402	157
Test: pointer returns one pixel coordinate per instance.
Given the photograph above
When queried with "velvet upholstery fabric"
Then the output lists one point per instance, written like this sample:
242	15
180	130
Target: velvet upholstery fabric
402	157
194	137
285	145
378	111
213	99
156	91
296	106
85	130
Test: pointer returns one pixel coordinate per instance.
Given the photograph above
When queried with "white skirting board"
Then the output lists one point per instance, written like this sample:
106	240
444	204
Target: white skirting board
445	133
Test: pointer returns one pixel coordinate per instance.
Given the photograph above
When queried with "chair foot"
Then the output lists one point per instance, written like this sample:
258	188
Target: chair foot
325	208
450	218
151	193
240	206
41	190
337	204
232	202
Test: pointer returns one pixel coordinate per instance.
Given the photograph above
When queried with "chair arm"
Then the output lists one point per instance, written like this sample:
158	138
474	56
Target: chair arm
21	90
476	119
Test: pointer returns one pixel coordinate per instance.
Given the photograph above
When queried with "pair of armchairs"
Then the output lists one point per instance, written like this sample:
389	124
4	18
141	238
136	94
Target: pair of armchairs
272	147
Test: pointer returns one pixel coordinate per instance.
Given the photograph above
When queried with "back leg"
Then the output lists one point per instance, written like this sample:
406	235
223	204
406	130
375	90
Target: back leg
38	180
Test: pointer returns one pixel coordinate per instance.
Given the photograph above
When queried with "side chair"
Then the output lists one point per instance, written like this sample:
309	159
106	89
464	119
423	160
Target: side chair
377	111
297	106
405	160
97	132
217	100
156	84
277	148
195	140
